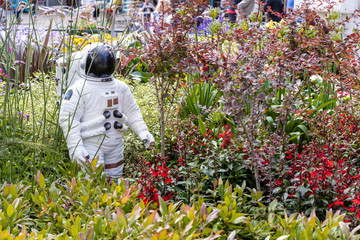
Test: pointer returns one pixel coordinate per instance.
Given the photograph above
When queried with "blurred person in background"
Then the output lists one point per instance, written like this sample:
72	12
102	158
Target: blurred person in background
91	4
112	8
231	10
274	10
162	11
245	8
19	7
147	8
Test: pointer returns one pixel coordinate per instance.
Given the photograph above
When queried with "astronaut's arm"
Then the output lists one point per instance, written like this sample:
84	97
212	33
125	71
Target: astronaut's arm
72	108
135	119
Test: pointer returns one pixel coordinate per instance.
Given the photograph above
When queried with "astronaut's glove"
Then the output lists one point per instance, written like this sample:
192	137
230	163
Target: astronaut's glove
80	155
147	139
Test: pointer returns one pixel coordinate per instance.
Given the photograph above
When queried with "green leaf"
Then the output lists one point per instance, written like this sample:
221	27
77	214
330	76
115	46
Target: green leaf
163	207
331	237
238	219
6	190
93	164
277	190
302	190
175	236
90	234
74	231
141	76
227	201
295	136
232	235
325	104
270	120
201	125
206	231
98	225
13	191
121	216
354	231
213	215
150	219
41	180
78	222
10	210
303	128
273	205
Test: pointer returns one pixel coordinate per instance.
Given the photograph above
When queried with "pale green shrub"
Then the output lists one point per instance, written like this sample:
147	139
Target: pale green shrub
144	95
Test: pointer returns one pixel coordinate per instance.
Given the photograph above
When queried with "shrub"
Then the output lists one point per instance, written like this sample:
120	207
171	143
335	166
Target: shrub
91	208
201	155
30	136
155	178
325	173
145	98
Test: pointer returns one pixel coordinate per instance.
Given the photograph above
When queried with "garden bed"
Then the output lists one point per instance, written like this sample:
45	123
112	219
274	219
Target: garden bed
256	127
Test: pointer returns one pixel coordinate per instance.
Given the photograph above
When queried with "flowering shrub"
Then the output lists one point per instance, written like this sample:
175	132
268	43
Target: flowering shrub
325	174
204	155
156	180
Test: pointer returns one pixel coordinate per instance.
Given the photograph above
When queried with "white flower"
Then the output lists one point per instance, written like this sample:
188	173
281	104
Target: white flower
316	78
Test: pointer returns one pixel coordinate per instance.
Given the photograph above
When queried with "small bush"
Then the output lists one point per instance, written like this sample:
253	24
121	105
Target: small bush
325	173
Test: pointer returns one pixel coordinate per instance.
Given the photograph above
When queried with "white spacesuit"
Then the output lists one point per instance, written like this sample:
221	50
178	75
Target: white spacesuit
94	110
65	77
68	69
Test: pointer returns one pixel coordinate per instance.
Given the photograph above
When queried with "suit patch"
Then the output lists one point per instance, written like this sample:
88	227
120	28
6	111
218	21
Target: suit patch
68	94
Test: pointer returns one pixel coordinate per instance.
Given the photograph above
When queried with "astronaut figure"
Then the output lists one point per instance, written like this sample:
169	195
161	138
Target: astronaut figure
94	110
64	79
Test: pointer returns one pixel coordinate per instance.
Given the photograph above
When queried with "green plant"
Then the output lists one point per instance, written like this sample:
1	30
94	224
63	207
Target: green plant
201	155
145	98
30	136
199	100
30	56
90	207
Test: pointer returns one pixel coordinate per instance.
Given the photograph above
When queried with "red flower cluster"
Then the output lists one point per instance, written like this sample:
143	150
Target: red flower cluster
226	137
312	166
203	154
155	180
327	166
194	143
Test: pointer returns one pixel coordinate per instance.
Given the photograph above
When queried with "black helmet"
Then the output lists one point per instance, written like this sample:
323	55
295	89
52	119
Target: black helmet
100	62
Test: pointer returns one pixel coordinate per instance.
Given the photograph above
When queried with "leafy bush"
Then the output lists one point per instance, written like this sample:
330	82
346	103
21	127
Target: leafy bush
91	208
263	73
325	173
199	156
30	136
313	95
144	95
199	100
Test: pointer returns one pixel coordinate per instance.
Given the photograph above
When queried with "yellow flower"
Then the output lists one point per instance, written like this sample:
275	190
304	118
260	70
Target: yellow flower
77	43
271	24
